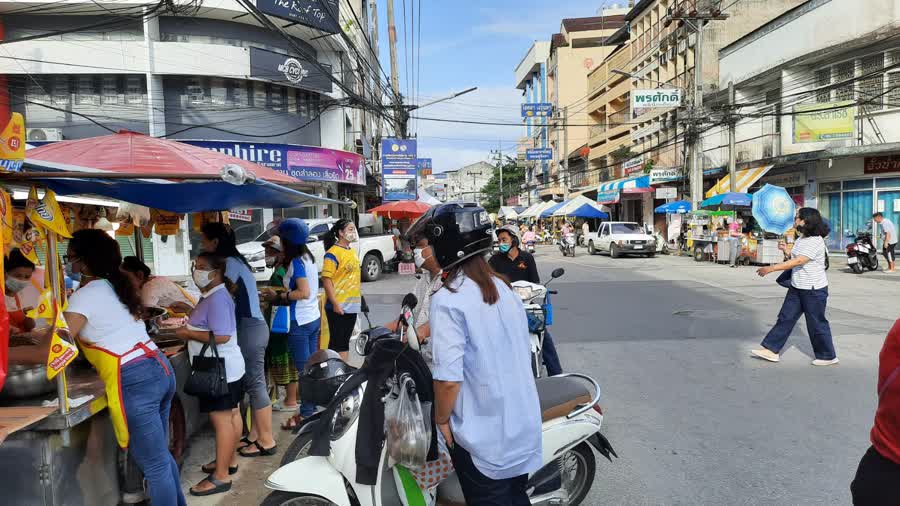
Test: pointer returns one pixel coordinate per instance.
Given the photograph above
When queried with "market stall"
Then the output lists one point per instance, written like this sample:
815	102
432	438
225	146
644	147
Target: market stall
66	453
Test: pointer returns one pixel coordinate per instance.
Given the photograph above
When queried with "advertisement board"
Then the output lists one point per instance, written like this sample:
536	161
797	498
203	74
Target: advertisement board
307	163
610	197
539	154
539	109
881	164
424	166
318	14
289	70
664	175
666	193
655	99
633	165
824	122
398	169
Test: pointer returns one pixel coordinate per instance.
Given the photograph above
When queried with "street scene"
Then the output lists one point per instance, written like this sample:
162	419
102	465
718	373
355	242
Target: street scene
394	252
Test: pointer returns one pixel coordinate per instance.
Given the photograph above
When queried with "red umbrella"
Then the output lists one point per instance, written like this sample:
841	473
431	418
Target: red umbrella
133	152
400	210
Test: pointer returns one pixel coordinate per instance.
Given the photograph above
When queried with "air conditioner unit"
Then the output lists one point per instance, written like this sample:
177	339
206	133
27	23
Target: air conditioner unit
743	156
43	134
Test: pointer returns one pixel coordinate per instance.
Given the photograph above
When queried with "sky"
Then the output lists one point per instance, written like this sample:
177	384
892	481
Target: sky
466	43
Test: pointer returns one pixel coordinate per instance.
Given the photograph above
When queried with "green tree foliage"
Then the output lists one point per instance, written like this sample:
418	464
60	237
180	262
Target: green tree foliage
513	178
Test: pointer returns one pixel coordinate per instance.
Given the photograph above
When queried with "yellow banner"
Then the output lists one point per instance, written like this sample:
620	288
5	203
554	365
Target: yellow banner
62	353
824	122
12	144
46	212
166	223
32	238
6	215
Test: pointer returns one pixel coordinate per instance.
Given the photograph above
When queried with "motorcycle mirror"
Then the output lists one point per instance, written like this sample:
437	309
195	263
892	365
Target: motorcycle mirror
558	272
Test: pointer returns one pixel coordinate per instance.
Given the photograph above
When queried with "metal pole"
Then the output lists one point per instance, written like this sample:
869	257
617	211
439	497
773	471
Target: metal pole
732	124
373	7
500	163
697	171
566	152
395	78
61	388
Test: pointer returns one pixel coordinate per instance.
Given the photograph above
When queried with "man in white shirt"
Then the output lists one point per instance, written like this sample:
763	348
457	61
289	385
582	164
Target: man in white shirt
889	242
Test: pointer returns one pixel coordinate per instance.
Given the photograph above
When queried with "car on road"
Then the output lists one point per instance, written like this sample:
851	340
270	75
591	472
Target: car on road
374	251
619	238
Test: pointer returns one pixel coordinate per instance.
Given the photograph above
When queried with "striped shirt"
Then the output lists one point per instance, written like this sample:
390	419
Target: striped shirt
811	275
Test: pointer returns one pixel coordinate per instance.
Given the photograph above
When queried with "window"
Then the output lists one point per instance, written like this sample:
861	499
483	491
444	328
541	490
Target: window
86	91
872	89
239	96
291	100
893	96
134	90
823	78
194	92
218	94
61	94
259	94
276	98
626	228
38	90
844	72
303	104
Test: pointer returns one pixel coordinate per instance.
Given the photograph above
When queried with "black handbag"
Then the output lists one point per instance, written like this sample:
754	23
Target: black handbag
784	279
207	377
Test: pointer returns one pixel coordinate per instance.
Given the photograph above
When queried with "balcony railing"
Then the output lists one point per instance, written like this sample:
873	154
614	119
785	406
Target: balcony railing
598	129
748	150
620	117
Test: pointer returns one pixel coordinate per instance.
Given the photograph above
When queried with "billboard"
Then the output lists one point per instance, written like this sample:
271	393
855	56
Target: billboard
539	154
289	70
398	169
824	122
538	109
424	166
318	14
654	99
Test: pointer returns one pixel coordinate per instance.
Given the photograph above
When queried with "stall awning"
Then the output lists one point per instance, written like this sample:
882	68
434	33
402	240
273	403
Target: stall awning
535	210
548	212
577	202
745	179
639	184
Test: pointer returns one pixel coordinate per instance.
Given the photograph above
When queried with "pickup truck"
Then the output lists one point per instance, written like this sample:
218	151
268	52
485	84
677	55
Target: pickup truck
621	238
374	251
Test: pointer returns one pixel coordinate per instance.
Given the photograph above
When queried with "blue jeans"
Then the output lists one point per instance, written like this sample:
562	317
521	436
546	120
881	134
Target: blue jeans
812	304
551	359
303	341
147	390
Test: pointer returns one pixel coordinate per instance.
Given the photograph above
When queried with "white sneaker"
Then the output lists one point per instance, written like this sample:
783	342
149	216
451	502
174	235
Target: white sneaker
765	354
825	362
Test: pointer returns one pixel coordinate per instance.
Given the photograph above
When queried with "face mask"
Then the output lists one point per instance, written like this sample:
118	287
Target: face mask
270	261
352	237
14	285
418	258
203	278
504	247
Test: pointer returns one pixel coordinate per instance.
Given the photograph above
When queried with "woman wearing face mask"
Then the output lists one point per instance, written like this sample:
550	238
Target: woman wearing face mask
104	316
342	282
214	315
22	292
278	356
252	335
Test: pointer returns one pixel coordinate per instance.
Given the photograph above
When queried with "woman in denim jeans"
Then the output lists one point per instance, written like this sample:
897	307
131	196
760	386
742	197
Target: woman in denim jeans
301	294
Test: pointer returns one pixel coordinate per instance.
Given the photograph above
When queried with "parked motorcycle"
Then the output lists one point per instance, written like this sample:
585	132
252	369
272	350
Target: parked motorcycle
571	417
861	253
539	309
567	244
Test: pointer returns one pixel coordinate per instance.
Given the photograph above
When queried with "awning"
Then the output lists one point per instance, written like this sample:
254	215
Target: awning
745	179
535	210
548	212
639	184
588	211
577	202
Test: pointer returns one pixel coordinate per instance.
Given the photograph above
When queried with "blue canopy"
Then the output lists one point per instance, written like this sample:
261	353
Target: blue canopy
588	211
549	211
677	207
728	199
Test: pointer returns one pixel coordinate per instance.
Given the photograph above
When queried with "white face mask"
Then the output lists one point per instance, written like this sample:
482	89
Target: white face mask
14	285
203	278
418	258
270	261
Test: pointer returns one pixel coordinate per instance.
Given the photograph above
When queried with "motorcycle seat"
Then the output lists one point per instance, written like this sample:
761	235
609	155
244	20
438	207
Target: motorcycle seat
559	396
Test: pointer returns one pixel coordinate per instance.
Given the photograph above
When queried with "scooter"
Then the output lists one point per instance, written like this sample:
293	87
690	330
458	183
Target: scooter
571	418
567	244
529	246
861	253
539	309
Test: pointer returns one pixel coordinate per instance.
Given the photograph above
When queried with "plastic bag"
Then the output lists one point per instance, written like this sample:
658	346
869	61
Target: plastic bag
408	432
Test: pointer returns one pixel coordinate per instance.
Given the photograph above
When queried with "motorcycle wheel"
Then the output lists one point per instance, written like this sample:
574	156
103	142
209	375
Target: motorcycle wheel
578	467
873	263
292	499
856	268
298	449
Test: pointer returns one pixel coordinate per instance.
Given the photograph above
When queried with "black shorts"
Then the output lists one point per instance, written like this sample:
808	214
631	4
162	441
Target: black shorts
226	402
889	254
877	480
340	328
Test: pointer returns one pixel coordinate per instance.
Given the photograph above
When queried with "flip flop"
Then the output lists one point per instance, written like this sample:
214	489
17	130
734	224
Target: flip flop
263	452
211	468
219	487
244	442
292	423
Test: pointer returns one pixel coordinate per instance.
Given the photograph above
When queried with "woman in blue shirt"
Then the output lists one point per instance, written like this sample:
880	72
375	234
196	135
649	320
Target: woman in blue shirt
486	402
252	335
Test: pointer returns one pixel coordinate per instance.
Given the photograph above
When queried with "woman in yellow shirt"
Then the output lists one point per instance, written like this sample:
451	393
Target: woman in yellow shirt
341	280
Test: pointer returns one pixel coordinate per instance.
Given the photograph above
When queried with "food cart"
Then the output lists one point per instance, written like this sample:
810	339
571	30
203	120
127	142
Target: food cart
707	237
66	453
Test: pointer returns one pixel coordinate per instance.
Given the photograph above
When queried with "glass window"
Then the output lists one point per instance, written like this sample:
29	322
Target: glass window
844	72
194	91
38	89
888	182
109	89
823	78
134	89
858	184
872	63
626	228
303	104
834	186
259	94
830	207
291	100
86	91
217	92
276	98
61	94
239	96
893	95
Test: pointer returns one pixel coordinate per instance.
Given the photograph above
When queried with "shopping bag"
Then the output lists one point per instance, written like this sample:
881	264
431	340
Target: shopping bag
434	472
281	320
408	431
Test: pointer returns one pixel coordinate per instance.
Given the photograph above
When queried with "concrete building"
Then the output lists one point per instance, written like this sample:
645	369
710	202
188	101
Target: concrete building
215	78
843	159
465	184
531	78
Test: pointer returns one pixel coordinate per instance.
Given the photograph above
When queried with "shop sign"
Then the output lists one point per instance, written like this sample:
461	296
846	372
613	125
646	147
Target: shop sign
824	122
610	197
789	180
664	175
398	169
530	110
881	164
241	215
633	165
306	163
539	154
289	70
666	193
424	166
440	176
318	14
654	99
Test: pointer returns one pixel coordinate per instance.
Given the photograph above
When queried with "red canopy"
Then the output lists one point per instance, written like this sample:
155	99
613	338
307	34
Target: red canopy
134	152
401	210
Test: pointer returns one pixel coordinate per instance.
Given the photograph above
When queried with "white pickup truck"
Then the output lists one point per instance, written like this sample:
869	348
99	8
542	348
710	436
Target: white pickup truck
621	238
374	251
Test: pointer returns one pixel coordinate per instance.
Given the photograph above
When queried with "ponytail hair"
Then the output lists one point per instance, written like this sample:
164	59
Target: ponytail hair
330	238
100	254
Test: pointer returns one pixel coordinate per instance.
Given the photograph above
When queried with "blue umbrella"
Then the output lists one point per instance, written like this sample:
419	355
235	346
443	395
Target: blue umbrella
677	207
728	199
774	209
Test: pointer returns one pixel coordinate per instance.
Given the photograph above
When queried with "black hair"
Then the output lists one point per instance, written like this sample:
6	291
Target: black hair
813	225
227	244
878	215
134	264
15	260
290	251
216	261
330	238
100	253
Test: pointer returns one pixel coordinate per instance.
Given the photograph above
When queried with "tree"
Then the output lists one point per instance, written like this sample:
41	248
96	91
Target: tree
513	178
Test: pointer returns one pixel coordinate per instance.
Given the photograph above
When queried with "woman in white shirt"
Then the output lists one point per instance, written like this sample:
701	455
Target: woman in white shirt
105	316
807	292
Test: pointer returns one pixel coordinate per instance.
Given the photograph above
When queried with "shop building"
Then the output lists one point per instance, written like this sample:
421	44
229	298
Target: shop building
822	120
531	78
214	79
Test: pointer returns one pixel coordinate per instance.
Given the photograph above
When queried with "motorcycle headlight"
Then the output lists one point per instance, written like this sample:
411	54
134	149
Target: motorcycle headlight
256	257
346	414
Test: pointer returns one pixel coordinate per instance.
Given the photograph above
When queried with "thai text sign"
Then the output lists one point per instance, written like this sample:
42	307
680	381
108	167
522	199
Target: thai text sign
824	122
651	99
664	175
398	169
537	109
539	154
881	164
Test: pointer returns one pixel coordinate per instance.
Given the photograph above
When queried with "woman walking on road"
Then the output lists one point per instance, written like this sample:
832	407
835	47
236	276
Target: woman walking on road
807	292
342	283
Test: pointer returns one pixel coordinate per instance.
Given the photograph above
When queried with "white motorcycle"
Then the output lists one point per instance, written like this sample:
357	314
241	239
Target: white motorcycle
539	309
567	244
571	416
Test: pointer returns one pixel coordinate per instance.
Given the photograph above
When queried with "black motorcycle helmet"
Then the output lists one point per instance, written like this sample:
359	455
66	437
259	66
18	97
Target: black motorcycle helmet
325	364
455	231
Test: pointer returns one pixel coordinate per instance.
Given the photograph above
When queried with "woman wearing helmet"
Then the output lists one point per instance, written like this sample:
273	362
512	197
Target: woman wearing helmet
486	403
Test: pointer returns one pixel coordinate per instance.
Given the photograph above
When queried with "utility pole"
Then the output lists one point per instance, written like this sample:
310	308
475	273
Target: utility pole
373	7
566	152
475	186
399	112
732	125
499	153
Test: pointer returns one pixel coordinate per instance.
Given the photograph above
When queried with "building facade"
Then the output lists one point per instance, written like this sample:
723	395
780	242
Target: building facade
466	184
531	78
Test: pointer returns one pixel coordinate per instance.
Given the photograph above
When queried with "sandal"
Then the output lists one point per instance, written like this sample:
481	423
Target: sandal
211	468
263	452
292	423
218	487
244	442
